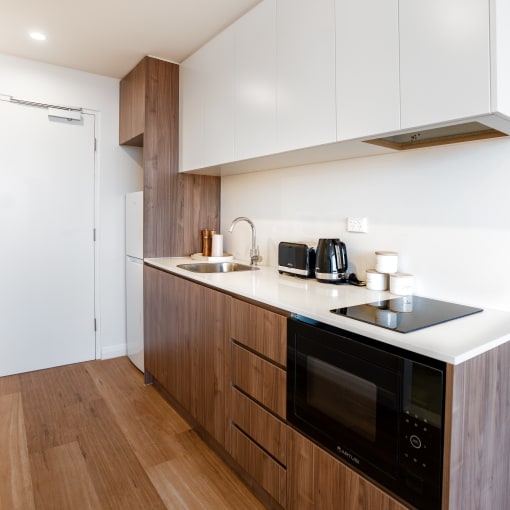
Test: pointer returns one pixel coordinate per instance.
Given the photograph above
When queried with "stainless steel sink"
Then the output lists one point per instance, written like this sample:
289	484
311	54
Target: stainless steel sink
216	267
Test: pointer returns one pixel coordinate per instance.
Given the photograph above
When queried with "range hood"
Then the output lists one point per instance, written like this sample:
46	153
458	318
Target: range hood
427	137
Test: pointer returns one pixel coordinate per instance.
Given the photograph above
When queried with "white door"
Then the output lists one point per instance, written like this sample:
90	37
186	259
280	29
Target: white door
46	239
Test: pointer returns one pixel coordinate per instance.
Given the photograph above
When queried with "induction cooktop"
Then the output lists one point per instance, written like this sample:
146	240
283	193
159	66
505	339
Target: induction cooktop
407	313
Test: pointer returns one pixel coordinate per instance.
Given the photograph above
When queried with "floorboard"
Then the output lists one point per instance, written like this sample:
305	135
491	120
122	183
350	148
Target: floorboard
92	436
15	480
62	479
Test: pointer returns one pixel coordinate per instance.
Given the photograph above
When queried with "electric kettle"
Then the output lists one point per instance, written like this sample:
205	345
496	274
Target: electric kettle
331	261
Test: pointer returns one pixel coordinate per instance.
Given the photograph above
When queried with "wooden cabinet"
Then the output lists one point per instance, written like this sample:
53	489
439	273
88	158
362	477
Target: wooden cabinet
305	73
367	67
258	433
223	361
176	206
132	106
316	479
237	396
186	335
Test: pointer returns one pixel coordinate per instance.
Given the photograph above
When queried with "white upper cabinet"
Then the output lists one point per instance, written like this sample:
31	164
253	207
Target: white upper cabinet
305	73
500	51
255	82
219	99
207	113
367	67
444	60
191	112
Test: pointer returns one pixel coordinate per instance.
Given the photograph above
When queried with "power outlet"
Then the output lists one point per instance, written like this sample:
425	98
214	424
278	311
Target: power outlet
357	225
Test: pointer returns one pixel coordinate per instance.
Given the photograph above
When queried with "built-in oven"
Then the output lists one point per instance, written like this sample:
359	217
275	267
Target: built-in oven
376	407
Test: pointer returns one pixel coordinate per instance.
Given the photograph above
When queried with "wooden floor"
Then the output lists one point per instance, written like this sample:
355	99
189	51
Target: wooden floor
92	436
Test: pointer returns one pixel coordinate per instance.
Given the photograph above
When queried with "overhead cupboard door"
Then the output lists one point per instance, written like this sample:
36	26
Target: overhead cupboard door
47	244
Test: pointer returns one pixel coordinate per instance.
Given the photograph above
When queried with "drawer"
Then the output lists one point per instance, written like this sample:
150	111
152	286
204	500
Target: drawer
264	428
270	475
260	379
261	330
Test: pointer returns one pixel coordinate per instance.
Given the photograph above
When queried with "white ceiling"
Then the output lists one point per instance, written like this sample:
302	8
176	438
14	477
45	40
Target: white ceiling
110	37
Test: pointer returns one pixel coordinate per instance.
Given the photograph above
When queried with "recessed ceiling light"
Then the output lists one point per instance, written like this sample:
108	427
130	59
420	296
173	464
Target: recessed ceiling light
38	36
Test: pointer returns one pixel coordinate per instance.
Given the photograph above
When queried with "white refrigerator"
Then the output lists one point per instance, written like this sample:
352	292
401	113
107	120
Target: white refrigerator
134	278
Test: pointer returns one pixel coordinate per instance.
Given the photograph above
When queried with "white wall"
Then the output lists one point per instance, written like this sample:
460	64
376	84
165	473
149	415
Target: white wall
446	210
118	172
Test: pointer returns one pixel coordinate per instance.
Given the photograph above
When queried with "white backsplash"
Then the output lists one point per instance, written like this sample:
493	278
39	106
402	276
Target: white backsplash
446	210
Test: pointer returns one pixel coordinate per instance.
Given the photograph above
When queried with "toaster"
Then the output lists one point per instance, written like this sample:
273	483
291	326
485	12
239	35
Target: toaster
296	259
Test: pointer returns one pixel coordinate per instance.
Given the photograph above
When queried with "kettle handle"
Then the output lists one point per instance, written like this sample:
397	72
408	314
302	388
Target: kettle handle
342	257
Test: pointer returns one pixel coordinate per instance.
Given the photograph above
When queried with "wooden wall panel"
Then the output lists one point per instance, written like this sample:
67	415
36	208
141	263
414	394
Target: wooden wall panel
201	209
163	201
480	445
176	206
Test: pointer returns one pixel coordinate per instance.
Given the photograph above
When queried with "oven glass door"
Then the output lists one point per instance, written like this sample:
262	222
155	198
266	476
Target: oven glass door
346	396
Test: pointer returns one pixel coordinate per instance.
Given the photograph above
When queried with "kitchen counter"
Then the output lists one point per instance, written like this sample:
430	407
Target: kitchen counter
453	342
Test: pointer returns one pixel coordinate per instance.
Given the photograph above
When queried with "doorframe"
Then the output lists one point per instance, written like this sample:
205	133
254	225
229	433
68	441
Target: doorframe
97	173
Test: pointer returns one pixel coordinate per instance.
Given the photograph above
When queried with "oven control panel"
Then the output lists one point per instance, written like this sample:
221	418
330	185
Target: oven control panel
420	445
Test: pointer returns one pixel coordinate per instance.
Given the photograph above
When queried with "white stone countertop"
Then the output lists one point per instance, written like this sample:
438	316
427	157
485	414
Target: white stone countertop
453	342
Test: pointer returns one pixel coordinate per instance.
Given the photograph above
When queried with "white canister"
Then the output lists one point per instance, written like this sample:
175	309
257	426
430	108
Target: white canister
401	284
376	280
386	261
217	245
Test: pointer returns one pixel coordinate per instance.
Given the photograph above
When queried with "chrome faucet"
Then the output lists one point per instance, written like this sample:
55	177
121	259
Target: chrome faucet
254	252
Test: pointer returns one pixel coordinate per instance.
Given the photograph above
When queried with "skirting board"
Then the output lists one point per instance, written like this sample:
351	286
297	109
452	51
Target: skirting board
114	351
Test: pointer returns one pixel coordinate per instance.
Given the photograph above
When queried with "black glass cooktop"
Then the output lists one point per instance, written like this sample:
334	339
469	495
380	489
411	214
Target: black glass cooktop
407	313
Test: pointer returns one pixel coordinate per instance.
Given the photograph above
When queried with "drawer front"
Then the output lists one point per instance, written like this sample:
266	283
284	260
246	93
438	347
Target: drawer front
260	330
260	379
260	466
265	429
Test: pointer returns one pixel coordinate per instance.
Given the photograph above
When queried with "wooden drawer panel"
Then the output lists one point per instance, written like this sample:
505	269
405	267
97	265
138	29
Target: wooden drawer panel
266	430
260	466
261	330
317	480
260	379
